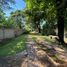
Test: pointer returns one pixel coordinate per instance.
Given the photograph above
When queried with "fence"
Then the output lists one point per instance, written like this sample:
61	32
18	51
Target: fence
9	33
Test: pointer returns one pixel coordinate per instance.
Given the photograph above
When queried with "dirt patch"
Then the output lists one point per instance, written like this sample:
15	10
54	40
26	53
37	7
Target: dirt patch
57	53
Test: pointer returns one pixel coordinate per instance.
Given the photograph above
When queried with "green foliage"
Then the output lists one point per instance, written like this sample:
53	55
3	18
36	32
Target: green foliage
9	23
6	22
40	9
2	17
18	15
3	5
6	4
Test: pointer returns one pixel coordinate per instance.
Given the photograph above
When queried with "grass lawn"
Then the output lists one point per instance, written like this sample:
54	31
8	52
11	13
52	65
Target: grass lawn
14	46
46	39
43	38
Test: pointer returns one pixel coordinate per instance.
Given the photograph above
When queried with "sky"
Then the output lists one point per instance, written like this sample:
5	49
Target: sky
20	5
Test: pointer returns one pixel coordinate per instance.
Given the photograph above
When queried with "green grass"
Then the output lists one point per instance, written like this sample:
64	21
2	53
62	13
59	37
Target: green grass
14	46
49	40
46	38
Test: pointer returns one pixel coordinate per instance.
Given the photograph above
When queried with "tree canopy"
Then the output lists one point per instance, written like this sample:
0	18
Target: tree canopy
6	4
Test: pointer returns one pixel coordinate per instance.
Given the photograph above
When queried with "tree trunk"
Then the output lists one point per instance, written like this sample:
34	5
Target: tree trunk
39	30
60	20
38	27
60	23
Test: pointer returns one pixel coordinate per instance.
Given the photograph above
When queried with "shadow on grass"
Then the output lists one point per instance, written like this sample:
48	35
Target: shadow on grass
5	41
50	41
45	39
14	46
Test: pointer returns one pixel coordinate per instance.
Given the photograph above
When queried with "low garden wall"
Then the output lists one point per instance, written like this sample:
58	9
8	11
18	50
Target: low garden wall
9	33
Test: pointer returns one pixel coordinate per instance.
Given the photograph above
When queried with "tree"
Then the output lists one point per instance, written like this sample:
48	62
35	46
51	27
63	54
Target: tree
34	13
18	16
6	4
59	7
2	17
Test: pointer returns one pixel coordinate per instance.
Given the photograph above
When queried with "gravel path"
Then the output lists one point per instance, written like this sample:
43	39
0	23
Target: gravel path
35	57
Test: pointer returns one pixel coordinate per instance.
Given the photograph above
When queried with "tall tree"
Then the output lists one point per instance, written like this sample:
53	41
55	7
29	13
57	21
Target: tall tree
34	12
60	5
5	4
18	17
